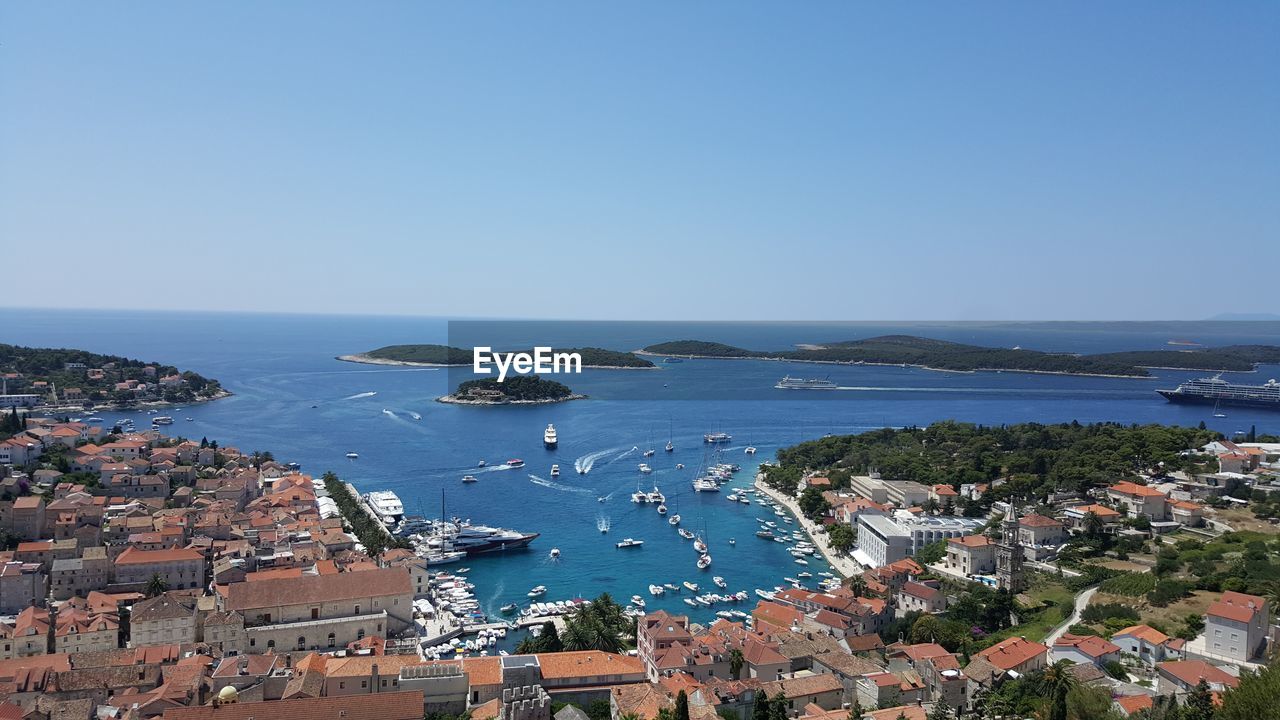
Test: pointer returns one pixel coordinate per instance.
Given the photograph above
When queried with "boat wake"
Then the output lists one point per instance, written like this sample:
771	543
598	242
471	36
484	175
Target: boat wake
555	485
588	461
389	413
414	415
489	468
602	524
357	396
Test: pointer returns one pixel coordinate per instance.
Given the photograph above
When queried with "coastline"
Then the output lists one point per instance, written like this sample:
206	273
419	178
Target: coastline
452	400
111	407
367	360
646	353
843	564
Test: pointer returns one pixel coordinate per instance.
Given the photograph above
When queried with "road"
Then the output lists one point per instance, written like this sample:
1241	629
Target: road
1082	600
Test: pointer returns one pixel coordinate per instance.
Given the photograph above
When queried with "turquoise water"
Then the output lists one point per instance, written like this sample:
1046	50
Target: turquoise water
294	399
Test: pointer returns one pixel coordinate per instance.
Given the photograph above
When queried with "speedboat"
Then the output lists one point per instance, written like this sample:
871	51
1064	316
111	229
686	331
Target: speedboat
509	608
515	463
555	471
629	543
353	455
679	466
719	581
690	586
468	478
555	552
600	499
480	464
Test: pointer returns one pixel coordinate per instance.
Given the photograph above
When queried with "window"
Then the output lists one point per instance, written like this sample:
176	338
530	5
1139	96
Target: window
302	642
332	639
315	613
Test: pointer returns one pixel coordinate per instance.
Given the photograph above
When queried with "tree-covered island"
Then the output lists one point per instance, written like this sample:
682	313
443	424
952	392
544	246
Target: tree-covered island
517	390
445	355
945	355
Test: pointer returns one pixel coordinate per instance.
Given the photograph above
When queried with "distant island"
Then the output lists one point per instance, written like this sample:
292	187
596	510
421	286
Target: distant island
69	379
446	356
518	390
945	355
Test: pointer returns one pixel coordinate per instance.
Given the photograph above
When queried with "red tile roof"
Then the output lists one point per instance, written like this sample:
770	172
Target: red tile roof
376	706
1191	672
1012	653
1128	488
1237	606
1091	645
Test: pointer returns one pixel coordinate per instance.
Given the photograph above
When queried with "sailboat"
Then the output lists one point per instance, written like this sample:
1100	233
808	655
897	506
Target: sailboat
670	447
1216	412
648	451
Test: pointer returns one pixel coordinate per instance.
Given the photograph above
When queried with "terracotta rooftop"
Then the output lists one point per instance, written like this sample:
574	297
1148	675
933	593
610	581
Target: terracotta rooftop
971	541
1039	521
376	706
1191	672
1091	645
1011	653
1128	488
316	589
1237	606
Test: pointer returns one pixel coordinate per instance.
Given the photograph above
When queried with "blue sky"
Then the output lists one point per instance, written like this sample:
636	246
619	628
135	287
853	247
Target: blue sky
713	160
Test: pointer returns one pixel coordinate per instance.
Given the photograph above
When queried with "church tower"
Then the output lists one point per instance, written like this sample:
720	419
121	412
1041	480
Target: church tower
1009	553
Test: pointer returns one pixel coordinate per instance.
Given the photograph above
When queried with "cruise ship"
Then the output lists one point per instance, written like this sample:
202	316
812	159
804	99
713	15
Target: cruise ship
549	439
1215	391
386	505
789	383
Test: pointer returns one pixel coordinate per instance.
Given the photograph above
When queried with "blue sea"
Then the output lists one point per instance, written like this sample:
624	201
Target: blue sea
293	398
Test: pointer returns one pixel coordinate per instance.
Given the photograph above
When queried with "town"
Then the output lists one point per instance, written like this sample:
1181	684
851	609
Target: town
152	576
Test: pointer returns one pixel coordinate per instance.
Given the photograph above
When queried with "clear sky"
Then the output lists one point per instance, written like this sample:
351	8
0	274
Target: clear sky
711	160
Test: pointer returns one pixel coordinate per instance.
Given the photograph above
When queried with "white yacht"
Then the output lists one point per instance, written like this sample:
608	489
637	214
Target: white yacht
549	439
629	543
644	468
353	455
162	420
386	505
555	471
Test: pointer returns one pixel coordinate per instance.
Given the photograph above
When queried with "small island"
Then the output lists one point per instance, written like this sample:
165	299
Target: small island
447	356
933	354
69	380
518	390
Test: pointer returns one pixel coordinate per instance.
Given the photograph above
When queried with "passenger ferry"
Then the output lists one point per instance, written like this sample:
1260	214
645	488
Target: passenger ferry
789	383
386	505
1215	391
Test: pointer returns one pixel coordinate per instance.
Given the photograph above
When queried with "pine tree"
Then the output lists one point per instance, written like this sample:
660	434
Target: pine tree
778	707
760	708
682	706
1199	703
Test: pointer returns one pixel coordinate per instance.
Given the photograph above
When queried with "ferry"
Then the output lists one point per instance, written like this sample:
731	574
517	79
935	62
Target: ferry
549	439
386	505
1216	391
716	438
629	543
789	383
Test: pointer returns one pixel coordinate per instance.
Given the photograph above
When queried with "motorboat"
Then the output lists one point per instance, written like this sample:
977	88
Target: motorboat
549	437
537	591
629	543
719	581
644	468
555	471
515	463
353	455
555	552
690	586
510	608
469	478
480	464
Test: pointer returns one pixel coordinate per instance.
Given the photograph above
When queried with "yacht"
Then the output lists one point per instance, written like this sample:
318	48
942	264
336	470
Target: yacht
700	545
716	438
657	590
473	539
555	471
639	497
549	439
539	590
629	543
468	478
353	455
704	484
515	463
162	420
644	468
751	450
687	535
669	447
386	505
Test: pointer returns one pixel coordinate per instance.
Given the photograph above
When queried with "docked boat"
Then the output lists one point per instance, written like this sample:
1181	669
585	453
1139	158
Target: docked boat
719	581
685	534
637	601
472	539
386	505
549	437
765	534
515	463
716	438
555	471
629	543
690	586
468	478
656	590
790	383
656	496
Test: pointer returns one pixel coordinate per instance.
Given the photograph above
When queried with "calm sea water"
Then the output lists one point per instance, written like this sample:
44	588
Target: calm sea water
294	399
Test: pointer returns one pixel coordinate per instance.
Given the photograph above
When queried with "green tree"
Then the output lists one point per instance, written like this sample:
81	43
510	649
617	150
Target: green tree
682	706
841	538
760	706
941	711
855	709
156	586
736	661
1199	703
1058	683
1255	697
1092	525
778	707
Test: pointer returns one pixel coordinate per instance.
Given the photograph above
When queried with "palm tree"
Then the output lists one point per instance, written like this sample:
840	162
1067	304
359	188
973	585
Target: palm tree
156	586
735	663
1057	683
1092	524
